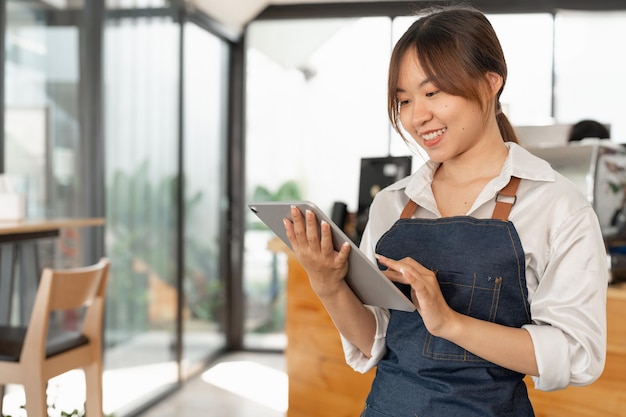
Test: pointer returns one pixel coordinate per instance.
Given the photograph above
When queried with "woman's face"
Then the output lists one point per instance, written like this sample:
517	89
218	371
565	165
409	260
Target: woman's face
445	126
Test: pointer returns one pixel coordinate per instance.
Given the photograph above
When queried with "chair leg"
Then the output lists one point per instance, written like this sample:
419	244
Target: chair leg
93	390
36	400
1	400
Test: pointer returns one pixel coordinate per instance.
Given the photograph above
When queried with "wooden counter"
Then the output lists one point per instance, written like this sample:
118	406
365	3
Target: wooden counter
17	228
322	385
607	396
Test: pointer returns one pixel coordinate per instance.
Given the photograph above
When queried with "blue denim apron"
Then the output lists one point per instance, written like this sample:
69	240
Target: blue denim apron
481	271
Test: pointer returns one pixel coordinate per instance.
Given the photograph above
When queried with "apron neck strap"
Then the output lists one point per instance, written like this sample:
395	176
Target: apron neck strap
504	202
409	209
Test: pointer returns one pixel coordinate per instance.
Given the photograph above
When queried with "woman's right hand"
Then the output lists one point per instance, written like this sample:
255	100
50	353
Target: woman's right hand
327	269
314	250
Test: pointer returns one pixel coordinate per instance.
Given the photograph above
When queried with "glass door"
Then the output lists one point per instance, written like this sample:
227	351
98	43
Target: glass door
204	127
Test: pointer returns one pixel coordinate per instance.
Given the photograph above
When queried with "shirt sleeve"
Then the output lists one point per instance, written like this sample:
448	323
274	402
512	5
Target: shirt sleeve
354	357
568	309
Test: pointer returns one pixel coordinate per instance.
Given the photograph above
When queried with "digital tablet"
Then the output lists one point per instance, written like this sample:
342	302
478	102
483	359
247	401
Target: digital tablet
364	278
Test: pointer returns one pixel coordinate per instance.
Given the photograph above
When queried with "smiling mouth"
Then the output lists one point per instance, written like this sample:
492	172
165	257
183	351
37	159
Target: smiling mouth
435	134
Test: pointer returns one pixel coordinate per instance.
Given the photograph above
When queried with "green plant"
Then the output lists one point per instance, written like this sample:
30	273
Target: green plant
142	217
60	413
289	190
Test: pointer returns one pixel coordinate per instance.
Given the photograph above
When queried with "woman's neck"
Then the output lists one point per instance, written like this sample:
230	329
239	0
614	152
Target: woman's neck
483	162
457	183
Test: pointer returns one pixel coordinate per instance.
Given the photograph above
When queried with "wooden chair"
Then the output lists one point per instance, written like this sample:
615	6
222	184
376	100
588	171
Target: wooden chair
31	355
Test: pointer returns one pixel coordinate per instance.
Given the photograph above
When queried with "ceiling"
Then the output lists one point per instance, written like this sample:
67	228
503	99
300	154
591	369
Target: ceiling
235	14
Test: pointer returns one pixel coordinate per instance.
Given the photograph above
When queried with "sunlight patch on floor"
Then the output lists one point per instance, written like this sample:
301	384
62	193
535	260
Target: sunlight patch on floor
122	387
252	381
65	393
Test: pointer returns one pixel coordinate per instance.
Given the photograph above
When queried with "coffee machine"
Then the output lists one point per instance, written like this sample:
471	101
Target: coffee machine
598	168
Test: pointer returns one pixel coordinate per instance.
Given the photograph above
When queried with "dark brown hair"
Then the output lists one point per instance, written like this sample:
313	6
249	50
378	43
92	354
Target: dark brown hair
456	47
588	129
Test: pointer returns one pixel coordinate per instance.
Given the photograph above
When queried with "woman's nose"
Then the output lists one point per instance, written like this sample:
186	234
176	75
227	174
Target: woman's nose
420	115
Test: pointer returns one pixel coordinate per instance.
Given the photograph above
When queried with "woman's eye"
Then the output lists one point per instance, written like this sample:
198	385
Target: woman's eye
432	93
402	102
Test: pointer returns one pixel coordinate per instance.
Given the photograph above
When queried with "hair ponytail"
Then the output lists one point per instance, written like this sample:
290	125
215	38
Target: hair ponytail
506	129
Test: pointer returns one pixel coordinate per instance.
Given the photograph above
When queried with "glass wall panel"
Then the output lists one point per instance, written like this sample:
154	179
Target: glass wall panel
42	120
42	139
315	105
141	88
43	144
590	67
205	79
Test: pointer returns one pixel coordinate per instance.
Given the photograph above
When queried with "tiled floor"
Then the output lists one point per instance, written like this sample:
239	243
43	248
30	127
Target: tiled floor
240	384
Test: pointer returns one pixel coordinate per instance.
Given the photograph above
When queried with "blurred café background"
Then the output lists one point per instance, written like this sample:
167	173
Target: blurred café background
166	117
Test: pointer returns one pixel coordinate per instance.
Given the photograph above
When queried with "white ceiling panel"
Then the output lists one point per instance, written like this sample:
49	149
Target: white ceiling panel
235	14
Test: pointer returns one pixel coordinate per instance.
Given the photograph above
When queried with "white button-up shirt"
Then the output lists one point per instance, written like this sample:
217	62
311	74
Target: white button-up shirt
567	271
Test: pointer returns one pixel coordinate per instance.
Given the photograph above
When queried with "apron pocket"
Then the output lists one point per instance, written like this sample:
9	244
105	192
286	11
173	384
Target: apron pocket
472	295
370	412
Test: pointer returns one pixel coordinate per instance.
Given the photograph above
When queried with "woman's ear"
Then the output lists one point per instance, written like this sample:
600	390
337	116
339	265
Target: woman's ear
494	83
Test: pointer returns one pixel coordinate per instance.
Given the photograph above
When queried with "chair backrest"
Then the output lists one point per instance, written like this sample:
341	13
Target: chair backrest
67	289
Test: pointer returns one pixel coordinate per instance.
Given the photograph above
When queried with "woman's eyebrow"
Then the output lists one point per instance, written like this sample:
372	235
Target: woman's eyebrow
421	84
424	82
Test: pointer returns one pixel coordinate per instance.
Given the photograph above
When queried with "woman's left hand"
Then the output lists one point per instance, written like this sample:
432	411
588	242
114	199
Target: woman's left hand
425	291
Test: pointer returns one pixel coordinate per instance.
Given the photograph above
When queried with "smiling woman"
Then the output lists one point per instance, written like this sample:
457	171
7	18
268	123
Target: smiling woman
467	240
303	62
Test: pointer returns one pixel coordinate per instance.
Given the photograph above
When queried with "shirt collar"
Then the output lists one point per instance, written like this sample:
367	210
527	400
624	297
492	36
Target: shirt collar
523	164
519	163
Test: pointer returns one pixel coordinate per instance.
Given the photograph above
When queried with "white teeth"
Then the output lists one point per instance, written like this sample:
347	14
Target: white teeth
435	134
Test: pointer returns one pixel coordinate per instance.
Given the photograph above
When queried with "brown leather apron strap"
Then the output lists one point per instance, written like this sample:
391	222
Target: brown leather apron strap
409	209
500	212
504	205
